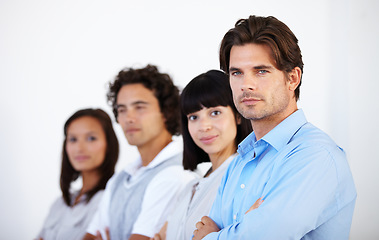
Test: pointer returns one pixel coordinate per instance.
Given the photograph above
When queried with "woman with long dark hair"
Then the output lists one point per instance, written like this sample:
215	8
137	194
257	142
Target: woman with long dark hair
211	129
90	151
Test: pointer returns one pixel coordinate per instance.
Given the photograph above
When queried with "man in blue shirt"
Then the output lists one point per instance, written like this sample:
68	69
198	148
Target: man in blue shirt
303	176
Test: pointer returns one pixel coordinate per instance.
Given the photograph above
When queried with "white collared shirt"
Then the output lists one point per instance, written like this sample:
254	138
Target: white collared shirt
160	192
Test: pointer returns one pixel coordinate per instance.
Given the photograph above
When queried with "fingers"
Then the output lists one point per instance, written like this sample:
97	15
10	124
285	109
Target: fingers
195	233
204	227
256	204
107	233
199	225
156	237
98	236
205	220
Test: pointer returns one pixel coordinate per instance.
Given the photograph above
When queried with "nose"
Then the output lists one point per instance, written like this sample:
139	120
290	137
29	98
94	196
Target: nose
129	116
79	146
205	124
249	82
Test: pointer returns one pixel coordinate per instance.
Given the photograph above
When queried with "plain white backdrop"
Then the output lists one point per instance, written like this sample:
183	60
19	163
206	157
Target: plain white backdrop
58	56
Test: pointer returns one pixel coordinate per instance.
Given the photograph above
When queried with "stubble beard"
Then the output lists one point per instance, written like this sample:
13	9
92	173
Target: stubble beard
268	111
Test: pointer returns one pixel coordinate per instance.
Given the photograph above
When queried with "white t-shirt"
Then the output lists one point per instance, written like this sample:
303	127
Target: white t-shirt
157	201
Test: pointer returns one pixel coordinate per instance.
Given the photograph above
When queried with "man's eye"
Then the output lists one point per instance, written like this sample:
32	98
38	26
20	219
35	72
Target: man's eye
121	110
236	73
262	72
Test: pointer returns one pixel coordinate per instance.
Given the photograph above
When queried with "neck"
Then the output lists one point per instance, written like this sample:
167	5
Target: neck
218	159
90	180
150	150
263	126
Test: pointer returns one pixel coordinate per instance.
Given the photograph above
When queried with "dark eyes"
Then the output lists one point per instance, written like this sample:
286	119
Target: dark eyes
140	107
91	138
74	139
215	113
121	110
192	117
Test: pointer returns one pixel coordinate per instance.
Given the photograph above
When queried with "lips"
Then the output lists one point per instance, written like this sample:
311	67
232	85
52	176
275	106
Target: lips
250	101
81	158
131	130
208	139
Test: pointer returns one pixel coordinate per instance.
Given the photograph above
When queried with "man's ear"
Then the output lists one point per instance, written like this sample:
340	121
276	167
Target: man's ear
294	78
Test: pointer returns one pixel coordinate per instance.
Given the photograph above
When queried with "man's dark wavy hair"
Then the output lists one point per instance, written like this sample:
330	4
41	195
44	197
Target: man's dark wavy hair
160	84
268	31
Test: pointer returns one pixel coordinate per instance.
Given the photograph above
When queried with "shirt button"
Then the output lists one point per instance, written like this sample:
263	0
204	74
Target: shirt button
242	186
234	217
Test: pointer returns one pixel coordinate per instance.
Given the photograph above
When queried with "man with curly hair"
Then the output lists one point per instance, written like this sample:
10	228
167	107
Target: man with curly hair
137	201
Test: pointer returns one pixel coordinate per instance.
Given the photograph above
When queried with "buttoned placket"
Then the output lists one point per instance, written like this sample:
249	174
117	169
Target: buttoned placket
258	148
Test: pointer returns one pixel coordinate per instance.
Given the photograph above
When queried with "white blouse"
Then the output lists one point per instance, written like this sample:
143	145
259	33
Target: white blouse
64	222
194	203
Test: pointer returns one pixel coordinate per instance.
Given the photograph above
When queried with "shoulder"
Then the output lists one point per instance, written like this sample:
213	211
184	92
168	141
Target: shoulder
58	204
313	151
112	181
174	173
310	140
308	134
95	200
170	180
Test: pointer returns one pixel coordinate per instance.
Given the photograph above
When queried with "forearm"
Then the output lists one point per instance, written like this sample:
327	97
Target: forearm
138	237
89	236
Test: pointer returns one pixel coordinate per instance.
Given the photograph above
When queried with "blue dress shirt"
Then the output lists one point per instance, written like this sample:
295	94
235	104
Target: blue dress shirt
304	179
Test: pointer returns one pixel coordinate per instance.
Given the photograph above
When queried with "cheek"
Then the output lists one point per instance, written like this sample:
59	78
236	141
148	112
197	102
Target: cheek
234	87
69	150
230	128
192	130
102	148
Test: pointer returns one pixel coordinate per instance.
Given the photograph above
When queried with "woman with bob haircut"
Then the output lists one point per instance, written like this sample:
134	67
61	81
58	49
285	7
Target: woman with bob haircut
90	151
211	129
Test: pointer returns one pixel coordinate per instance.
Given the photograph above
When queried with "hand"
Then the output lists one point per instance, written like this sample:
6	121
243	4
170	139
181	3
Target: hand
255	205
162	233
204	227
99	237
156	237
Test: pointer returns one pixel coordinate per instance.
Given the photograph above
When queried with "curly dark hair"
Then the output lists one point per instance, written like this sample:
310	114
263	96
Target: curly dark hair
69	174
160	84
268	31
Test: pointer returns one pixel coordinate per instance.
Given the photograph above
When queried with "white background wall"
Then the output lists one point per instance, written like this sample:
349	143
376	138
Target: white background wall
57	56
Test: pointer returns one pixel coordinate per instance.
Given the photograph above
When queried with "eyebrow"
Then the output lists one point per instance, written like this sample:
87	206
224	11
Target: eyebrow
259	67
87	133
138	102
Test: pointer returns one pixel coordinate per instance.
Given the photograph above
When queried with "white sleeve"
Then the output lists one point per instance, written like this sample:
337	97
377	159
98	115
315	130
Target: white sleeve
157	201
100	219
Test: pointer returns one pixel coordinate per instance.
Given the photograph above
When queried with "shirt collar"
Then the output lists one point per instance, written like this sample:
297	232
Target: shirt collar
173	148
284	131
279	136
